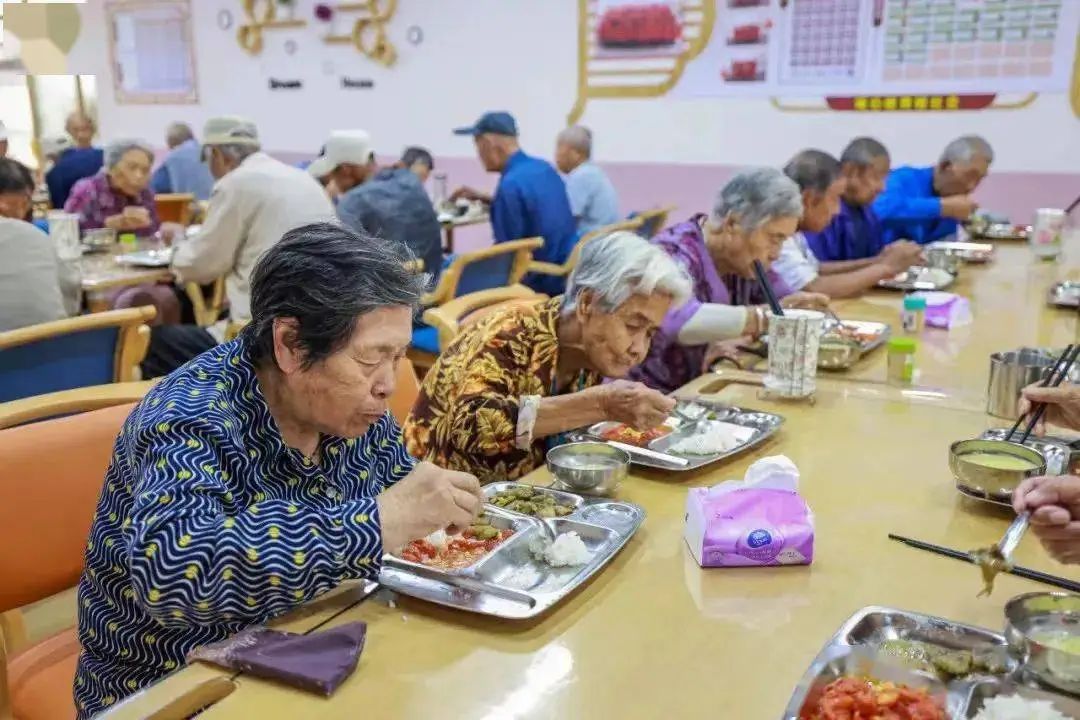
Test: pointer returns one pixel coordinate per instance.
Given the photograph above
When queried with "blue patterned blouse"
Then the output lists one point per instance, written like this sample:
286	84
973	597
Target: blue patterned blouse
208	523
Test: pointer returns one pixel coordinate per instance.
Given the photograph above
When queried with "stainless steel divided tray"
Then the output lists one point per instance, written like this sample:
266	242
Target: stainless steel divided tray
966	251
763	424
919	278
510	582
881	331
1065	294
852	651
147	258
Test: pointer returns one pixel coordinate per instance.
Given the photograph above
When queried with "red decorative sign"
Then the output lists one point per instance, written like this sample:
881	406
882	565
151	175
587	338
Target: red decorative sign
910	103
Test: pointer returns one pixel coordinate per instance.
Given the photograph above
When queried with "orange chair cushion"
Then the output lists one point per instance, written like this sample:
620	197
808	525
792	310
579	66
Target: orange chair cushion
41	676
52	476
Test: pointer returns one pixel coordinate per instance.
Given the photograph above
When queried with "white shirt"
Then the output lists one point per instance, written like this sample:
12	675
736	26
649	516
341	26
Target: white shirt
797	265
250	209
35	285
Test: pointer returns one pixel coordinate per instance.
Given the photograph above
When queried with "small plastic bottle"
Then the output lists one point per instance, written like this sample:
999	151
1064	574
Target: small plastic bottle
913	315
129	240
901	367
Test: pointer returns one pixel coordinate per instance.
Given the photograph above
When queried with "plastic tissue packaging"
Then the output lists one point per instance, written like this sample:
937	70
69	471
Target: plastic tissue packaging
945	310
760	521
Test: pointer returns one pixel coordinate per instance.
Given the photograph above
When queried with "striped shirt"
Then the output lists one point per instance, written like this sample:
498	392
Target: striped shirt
208	523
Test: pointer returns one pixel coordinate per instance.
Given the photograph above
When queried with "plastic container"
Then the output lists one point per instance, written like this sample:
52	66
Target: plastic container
901	368
129	240
913	316
1046	232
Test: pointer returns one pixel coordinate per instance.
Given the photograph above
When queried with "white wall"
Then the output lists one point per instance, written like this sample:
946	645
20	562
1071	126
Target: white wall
521	55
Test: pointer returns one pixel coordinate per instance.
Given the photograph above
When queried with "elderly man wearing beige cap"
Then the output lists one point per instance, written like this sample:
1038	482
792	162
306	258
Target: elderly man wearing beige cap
256	199
390	202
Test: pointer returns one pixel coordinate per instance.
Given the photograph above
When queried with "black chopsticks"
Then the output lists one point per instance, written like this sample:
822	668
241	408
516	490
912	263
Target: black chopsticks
1058	373
1026	573
767	288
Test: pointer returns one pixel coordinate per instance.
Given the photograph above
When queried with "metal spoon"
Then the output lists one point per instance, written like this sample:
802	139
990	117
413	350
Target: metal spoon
690	412
998	558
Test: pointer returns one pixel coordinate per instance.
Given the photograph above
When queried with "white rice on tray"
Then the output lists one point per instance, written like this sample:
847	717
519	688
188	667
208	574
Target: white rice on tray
712	437
1014	707
567	550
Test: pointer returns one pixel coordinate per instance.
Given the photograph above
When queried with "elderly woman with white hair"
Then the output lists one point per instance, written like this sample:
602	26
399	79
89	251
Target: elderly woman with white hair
119	196
508	386
752	217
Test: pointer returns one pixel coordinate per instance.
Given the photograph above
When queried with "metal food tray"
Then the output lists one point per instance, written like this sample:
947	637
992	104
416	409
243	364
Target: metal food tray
1003	231
764	424
917	278
1065	294
147	258
883	331
1057	451
966	251
509	582
965	696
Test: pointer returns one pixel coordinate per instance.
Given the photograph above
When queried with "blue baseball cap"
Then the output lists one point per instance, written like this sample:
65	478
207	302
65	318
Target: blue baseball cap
500	123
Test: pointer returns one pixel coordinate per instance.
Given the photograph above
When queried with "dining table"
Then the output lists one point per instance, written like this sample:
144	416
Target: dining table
655	635
102	272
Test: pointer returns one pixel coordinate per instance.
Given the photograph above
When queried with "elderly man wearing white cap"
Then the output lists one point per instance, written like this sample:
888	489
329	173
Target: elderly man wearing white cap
390	203
256	199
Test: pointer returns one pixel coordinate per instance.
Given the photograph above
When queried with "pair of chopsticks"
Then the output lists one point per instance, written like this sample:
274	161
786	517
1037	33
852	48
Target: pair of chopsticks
767	288
1058	373
1026	573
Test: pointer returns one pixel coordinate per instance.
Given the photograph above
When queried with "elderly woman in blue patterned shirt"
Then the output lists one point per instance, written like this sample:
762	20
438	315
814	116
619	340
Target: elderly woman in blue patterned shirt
264	472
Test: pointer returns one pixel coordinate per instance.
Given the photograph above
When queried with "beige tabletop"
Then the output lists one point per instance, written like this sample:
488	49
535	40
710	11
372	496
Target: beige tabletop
101	272
655	635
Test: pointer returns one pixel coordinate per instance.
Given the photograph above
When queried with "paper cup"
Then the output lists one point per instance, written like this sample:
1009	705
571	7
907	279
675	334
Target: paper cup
793	351
64	231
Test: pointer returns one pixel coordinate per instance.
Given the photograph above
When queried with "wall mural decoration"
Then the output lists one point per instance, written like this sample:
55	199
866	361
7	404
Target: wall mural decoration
844	55
359	24
45	34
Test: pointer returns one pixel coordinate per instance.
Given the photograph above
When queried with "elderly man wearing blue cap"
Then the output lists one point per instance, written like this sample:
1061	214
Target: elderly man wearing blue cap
530	199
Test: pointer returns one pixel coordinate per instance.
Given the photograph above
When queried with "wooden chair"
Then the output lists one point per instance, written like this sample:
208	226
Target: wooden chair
174	207
70	402
57	490
652	221
406	390
207	307
546	268
450	318
499	266
76	352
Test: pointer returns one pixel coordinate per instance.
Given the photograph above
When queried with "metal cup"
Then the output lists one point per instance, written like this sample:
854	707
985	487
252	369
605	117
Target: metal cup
1011	372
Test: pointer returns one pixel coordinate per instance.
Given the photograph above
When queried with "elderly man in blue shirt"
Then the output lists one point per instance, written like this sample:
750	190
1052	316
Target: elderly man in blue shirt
592	196
530	199
75	162
924	204
182	170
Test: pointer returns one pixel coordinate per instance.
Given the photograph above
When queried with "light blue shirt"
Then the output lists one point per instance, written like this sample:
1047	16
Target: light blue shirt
183	171
592	197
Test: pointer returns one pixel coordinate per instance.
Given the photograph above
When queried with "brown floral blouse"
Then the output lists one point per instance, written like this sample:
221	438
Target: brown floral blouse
466	416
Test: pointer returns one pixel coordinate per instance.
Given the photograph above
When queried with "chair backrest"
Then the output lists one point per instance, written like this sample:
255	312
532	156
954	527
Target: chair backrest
500	265
449	318
652	221
53	473
174	207
87	350
406	390
70	402
632	224
207	307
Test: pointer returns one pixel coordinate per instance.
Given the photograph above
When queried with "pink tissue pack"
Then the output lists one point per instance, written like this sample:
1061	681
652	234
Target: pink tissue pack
945	310
760	521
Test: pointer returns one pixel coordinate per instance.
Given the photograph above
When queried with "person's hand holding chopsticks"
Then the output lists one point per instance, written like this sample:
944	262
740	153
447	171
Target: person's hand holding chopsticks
1062	405
1054	504
805	301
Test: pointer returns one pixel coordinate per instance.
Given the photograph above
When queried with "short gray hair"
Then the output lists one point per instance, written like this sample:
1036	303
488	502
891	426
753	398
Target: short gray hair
578	137
236	152
177	133
813	170
115	150
622	264
862	152
966	148
756	196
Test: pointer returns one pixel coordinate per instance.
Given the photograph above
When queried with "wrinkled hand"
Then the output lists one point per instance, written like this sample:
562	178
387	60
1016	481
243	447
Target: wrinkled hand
900	255
427	499
170	232
1054	504
1062	405
633	404
805	301
960	207
724	350
467	193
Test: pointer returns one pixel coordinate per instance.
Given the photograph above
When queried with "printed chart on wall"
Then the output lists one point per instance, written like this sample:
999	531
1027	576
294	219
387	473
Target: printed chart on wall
886	47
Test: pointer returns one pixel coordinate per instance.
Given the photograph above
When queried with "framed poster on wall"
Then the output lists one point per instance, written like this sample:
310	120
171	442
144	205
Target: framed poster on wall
152	52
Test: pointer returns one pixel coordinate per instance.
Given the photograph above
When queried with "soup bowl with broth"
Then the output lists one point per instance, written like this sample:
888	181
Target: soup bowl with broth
993	468
592	468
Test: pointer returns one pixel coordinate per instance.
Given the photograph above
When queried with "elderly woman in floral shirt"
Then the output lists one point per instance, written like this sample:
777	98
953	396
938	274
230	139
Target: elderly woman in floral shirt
509	386
119	196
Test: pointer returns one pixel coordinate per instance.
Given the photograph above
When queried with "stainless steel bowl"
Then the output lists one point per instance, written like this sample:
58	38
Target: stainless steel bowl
943	259
99	238
992	483
592	468
1011	372
1029	620
837	353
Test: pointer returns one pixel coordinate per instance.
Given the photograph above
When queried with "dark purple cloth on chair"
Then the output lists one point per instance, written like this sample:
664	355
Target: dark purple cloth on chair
319	662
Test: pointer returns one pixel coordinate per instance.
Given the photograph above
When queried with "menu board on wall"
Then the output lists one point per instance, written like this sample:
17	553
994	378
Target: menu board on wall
804	48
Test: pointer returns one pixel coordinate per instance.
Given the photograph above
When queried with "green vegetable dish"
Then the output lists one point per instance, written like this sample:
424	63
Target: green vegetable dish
945	662
527	501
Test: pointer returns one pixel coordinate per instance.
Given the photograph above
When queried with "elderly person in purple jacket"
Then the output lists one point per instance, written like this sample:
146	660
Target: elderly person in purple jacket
119	196
751	218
